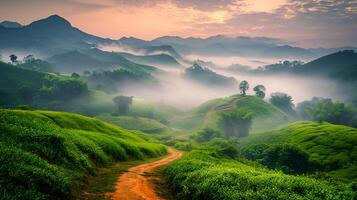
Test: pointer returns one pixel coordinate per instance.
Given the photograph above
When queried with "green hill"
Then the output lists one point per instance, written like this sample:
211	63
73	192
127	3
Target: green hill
206	76
266	116
22	86
146	125
341	65
332	146
206	175
48	155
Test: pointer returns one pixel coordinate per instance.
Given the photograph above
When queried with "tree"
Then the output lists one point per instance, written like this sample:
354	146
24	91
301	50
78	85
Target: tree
244	86
259	91
325	110
236	122
13	58
28	58
283	101
75	75
207	134
123	103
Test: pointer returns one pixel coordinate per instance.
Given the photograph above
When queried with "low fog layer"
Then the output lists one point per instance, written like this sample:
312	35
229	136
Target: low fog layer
180	92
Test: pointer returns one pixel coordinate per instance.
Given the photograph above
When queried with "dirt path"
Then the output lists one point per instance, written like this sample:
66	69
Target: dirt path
135	184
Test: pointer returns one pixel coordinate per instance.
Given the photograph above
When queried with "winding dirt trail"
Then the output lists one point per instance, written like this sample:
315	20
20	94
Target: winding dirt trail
135	184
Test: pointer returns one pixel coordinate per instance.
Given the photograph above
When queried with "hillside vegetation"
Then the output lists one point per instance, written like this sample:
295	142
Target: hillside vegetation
135	123
333	147
207	175
47	155
22	86
266	115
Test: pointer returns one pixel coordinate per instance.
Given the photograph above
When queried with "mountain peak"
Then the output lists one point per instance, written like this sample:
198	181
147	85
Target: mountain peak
10	24
52	21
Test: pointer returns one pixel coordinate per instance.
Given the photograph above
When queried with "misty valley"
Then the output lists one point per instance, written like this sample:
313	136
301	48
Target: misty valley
214	118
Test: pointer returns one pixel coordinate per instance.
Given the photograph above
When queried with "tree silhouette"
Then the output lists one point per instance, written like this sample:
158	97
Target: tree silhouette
259	91
13	58
244	86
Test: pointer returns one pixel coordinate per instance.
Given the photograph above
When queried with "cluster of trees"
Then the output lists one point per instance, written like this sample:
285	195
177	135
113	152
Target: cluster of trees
111	81
281	66
259	89
32	63
325	110
236	122
286	157
59	88
123	104
283	101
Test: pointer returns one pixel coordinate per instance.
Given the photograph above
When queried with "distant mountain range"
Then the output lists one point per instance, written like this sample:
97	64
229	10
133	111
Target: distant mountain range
10	24
54	35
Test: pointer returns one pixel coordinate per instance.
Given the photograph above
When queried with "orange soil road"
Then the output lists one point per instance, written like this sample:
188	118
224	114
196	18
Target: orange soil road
135	184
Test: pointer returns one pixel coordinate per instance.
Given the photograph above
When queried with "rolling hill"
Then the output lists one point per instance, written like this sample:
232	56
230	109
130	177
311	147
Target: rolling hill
55	152
160	60
207	175
208	77
95	59
266	116
340	66
23	86
332	146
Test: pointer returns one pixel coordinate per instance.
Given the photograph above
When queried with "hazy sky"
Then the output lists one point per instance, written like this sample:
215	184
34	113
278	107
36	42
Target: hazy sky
308	23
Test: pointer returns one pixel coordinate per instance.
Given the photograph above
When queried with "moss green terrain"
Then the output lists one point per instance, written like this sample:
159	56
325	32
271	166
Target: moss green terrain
206	175
48	155
332	146
266	115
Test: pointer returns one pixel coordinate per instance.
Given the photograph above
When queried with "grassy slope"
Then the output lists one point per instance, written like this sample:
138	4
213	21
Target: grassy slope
267	116
12	78
135	123
326	143
203	175
54	152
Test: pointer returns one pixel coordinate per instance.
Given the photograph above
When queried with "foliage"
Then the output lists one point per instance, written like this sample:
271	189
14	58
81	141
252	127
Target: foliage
146	125
32	63
207	134
244	86
62	88
331	147
205	175
112	80
259	91
236	122
46	155
325	110
282	101
123	103
288	158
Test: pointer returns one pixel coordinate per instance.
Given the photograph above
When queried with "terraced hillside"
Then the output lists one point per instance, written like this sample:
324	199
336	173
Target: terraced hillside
266	115
334	147
47	154
207	175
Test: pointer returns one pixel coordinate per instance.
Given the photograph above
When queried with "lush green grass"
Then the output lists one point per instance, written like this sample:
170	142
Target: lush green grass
204	175
266	115
135	123
47	155
332	146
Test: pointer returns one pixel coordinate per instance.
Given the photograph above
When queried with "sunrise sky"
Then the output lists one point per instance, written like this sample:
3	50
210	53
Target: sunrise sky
306	23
